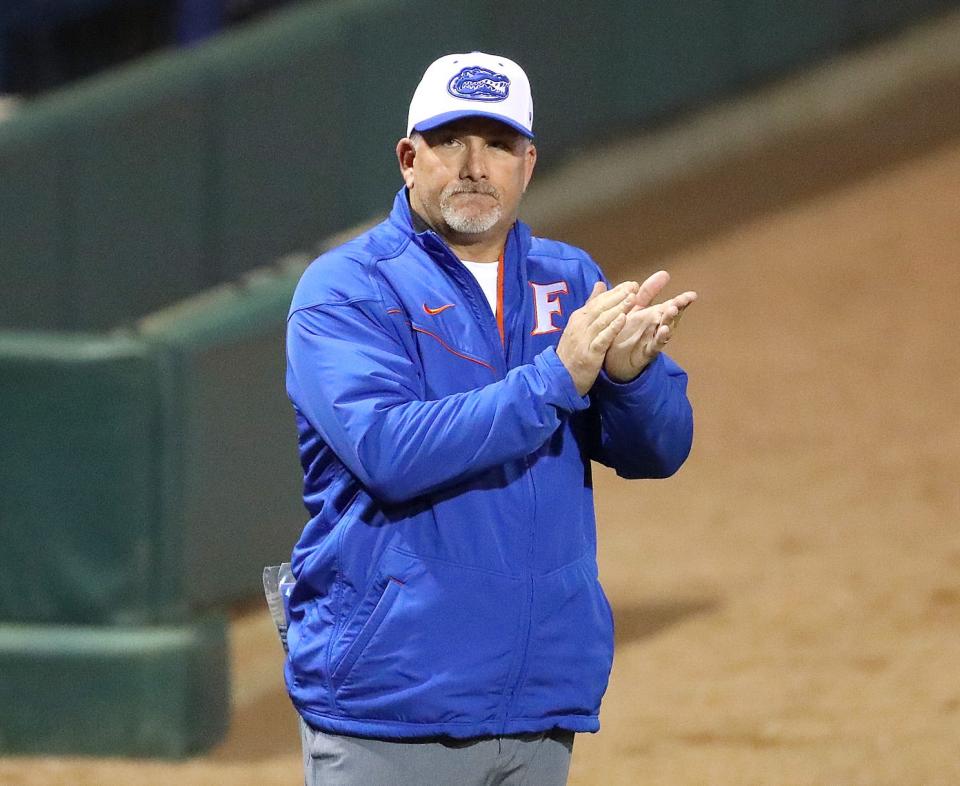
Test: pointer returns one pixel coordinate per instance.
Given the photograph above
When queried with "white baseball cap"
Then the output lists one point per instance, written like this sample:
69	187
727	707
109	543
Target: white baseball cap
472	85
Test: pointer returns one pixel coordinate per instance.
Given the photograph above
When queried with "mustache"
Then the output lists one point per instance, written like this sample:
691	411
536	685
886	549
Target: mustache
470	188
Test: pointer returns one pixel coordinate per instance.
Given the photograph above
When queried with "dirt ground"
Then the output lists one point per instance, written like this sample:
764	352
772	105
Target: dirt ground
788	606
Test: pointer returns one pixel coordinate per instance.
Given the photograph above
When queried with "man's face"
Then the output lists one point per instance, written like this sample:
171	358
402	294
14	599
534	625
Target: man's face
466	178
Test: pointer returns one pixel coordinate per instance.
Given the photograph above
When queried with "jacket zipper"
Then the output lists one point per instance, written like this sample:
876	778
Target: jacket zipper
527	609
471	289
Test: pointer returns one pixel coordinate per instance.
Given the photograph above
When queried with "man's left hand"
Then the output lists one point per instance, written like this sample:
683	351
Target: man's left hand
647	329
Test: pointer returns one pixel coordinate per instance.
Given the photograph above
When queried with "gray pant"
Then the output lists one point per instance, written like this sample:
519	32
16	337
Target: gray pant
339	760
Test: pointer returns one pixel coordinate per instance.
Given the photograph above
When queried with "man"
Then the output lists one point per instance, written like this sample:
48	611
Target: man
452	378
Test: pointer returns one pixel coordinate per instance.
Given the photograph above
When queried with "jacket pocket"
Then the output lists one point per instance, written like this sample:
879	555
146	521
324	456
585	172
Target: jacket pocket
435	649
347	660
298	631
308	639
571	644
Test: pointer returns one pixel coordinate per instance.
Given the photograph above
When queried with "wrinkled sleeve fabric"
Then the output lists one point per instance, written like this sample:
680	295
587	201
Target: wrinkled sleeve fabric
349	374
643	428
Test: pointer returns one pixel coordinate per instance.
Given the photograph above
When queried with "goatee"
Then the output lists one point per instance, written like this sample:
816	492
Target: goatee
469	223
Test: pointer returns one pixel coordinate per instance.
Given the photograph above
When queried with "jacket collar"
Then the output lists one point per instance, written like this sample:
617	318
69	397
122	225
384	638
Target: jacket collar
515	289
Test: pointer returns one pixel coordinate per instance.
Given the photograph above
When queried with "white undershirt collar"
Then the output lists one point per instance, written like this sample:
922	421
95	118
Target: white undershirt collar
486	275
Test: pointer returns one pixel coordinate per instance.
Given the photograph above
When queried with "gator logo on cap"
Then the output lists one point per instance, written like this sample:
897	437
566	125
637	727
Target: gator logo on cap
479	84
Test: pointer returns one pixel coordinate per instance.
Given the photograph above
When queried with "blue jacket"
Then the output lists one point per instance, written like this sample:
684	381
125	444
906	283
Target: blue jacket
447	580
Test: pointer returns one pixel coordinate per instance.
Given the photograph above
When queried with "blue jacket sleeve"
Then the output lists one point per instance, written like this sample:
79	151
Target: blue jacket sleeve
643	428
350	376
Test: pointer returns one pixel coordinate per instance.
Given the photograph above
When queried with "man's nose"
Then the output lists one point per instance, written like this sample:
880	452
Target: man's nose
474	165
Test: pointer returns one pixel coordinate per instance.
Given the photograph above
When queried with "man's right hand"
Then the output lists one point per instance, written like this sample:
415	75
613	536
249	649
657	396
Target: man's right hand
591	329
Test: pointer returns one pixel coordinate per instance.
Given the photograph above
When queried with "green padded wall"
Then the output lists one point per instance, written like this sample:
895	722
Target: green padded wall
79	468
673	56
126	459
93	573
773	37
104	192
138	166
34	250
232	447
868	17
152	692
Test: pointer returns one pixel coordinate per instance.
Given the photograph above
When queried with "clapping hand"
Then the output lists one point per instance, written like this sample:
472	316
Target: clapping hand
590	329
646	329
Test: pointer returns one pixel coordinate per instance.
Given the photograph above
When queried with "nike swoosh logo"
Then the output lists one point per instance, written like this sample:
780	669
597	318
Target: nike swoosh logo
434	311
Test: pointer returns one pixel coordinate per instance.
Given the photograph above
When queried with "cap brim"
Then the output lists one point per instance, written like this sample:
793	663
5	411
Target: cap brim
448	117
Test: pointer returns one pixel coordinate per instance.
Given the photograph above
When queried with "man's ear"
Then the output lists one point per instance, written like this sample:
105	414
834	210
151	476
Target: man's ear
406	152
529	162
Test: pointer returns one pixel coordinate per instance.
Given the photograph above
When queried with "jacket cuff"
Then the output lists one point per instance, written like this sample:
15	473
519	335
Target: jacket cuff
561	392
644	387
